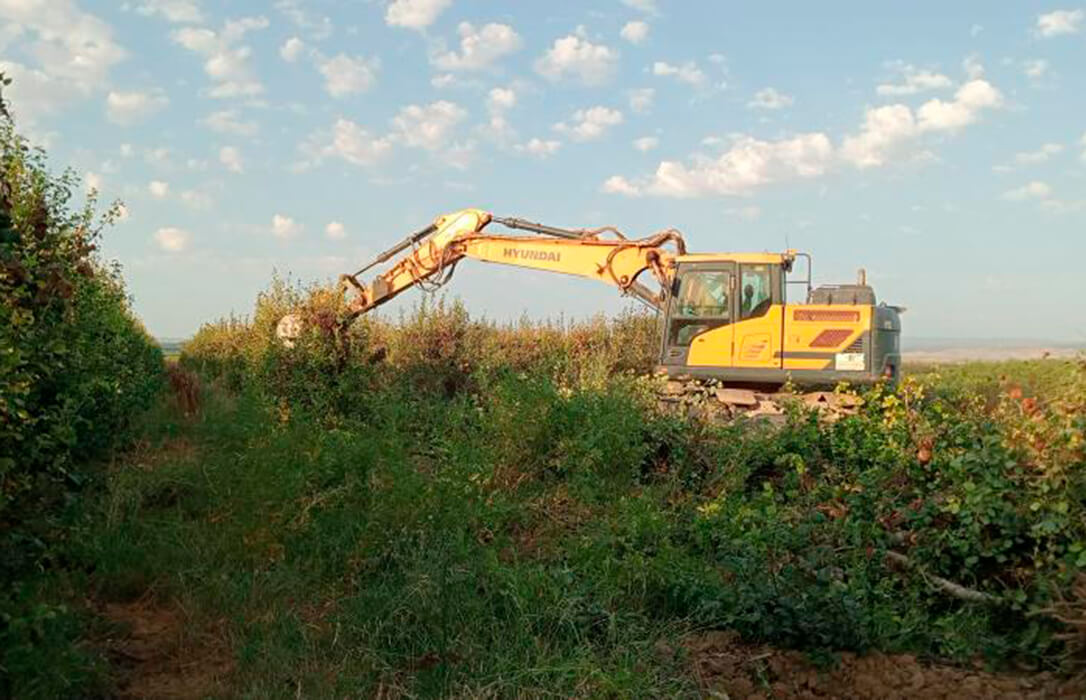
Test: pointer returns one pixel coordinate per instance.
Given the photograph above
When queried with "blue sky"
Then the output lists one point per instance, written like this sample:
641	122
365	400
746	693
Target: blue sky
940	145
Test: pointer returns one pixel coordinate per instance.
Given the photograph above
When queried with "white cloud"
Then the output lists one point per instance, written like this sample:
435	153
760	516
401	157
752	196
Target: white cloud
414	14
590	124
1041	155
975	30
748	164
443	80
1060	22
479	48
348	141
284	227
646	6
686	73
575	56
127	108
335	231
501	99
92	182
1032	190
635	32
889	130
884	132
769	98
646	143
969	101
1035	69
539	147
291	49
316	27
344	75
226	63
229	121
915	80
73	51
197	39
177	11
158	189
498	102
172	240
616	184
1041	194
126	150
973	67
641	99
230	157
430	126
459	155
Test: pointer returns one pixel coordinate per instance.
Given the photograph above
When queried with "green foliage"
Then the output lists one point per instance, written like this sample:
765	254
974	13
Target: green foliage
534	536
537	468
75	367
436	349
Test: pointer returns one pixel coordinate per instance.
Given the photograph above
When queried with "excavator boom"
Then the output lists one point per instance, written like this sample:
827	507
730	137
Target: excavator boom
436	249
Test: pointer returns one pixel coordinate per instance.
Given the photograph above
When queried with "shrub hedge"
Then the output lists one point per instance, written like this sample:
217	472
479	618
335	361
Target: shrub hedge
76	367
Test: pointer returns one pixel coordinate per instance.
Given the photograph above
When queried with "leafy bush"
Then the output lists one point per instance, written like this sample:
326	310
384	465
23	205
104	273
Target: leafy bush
76	364
436	349
75	368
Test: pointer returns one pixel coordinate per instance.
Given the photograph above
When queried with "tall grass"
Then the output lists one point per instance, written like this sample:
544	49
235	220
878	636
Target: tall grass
534	538
455	507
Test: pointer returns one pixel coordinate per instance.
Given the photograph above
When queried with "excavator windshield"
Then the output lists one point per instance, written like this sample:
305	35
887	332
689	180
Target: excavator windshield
702	300
703	293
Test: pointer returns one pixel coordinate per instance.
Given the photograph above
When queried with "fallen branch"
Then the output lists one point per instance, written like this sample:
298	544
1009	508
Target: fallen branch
949	587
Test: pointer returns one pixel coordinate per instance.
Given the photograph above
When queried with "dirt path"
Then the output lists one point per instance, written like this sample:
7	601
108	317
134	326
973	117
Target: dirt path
726	667
156	649
156	653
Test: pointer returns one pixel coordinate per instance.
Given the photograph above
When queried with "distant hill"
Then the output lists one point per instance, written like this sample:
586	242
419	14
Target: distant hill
171	346
970	349
911	344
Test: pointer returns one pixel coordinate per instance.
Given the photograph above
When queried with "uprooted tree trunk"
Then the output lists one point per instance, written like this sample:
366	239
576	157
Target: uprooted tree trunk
945	585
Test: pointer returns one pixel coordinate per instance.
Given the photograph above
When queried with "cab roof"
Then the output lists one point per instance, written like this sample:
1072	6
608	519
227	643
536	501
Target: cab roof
755	258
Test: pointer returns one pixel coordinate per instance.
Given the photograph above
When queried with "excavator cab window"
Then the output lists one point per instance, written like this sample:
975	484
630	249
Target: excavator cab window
700	302
757	297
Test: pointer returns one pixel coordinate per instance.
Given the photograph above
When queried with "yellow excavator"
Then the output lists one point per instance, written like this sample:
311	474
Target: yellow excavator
724	316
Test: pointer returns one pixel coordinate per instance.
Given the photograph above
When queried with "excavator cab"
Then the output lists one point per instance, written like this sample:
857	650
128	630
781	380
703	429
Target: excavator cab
728	317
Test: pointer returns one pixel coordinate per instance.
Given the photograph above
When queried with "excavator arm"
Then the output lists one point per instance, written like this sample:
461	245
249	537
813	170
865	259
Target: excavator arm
603	254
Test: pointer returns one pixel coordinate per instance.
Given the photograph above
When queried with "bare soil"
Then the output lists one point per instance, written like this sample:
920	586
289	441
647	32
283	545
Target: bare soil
728	668
156	653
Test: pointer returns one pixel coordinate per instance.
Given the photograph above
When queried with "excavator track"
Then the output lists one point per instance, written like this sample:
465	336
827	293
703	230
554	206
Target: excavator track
712	400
